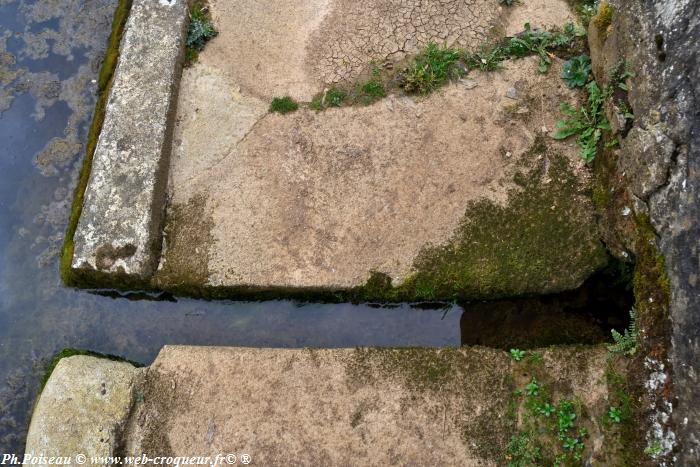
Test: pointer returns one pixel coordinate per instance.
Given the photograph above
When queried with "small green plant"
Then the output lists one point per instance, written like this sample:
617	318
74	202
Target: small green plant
619	74
626	344
371	91
283	105
200	31
587	9
546	409
566	416
522	451
529	42
576	71
431	68
587	122
654	449
335	97
615	414
517	354
532	388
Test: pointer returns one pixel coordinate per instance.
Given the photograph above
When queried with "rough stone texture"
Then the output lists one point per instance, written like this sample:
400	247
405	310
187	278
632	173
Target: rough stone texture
272	48
660	158
119	229
357	33
542	14
82	409
322	199
351	407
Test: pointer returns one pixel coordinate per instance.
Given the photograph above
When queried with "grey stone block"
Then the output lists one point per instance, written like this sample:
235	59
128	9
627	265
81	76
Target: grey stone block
119	232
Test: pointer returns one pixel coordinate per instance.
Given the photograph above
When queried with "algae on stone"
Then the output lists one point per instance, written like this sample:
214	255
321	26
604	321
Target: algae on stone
543	240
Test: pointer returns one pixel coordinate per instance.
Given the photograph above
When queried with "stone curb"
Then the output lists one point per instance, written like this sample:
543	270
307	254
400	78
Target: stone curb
119	231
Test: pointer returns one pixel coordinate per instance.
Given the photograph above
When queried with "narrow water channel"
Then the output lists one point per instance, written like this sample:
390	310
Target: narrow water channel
50	51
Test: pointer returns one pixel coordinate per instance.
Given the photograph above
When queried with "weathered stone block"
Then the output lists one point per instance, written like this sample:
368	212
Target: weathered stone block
82	409
120	226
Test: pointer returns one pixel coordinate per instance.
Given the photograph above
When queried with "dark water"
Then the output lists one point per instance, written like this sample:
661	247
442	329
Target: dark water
50	51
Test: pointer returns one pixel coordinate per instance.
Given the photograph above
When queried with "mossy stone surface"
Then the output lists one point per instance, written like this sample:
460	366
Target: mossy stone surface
543	240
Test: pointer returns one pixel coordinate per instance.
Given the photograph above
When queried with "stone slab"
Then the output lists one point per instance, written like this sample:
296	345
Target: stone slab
352	406
319	200
120	225
82	409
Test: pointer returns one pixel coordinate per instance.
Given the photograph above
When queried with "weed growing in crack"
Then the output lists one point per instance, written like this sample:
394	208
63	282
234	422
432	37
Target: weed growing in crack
532	388
372	90
626	344
615	414
529	42
517	354
586	122
334	97
200	31
283	105
432	68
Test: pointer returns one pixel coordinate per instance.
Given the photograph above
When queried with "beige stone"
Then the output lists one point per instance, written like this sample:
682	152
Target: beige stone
322	199
82	409
345	407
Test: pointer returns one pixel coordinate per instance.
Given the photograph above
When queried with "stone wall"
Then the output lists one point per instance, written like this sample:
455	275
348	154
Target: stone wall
652	180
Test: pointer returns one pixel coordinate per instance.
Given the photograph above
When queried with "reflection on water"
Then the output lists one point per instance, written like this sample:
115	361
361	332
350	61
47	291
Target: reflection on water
49	57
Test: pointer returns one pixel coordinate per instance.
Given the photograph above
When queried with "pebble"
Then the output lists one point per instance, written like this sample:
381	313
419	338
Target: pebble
468	83
511	93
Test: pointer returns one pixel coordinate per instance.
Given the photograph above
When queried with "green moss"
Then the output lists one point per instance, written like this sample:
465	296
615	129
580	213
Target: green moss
185	258
70	352
624	441
105	83
283	105
112	53
603	19
652	289
419	369
461	376
543	239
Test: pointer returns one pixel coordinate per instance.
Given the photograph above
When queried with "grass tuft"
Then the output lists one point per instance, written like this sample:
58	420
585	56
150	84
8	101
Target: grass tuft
432	68
283	105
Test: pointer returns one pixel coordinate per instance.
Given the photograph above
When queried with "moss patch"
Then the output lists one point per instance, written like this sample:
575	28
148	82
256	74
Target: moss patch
626	442
543	240
460	376
603	19
105	83
185	258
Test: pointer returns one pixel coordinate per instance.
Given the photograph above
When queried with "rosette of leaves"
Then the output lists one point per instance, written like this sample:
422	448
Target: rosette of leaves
588	122
576	71
201	29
